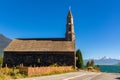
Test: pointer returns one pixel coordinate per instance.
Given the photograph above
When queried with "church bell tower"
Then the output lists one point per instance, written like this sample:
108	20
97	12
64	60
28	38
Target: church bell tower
70	35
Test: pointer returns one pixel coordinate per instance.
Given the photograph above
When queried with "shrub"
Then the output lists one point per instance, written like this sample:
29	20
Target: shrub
54	65
1	60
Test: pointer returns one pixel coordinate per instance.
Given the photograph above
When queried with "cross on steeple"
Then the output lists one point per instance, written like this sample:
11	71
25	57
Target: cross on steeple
69	8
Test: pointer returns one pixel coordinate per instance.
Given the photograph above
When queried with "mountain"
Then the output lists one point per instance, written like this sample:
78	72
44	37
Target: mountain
4	41
104	61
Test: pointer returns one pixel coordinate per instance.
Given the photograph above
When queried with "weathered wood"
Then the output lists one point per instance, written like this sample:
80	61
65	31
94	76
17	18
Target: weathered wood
31	59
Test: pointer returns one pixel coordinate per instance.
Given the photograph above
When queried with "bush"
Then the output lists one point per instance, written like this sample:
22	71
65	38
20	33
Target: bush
54	65
1	60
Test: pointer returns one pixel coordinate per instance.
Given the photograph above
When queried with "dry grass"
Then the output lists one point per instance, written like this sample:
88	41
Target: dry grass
4	77
10	73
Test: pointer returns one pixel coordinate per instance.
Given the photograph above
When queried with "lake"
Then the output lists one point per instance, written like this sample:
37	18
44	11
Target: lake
110	68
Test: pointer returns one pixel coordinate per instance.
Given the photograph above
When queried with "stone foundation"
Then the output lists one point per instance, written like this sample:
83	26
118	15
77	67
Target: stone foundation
30	71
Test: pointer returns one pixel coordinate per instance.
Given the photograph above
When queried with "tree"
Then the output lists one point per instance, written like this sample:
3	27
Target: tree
88	64
79	61
92	63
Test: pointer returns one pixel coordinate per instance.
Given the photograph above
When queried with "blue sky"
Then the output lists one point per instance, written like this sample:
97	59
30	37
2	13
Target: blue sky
97	23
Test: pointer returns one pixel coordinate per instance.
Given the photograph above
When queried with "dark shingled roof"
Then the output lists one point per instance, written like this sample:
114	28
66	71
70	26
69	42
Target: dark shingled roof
38	45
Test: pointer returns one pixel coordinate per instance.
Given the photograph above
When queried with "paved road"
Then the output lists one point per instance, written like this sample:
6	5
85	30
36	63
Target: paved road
78	76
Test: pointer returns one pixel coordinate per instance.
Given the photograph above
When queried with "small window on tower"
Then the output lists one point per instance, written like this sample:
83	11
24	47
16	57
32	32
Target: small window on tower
69	28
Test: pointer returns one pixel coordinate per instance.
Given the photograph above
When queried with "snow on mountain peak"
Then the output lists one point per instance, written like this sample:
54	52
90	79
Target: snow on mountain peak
105	57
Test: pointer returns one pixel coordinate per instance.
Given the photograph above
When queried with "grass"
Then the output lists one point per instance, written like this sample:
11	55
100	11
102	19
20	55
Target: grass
10	73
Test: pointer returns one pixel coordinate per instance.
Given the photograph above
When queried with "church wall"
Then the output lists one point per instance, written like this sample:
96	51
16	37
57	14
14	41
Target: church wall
38	58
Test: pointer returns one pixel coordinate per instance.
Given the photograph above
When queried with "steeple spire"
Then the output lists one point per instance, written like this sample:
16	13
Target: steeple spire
69	13
70	27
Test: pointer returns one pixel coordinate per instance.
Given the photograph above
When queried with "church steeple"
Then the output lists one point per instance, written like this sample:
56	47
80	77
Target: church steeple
70	36
70	14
